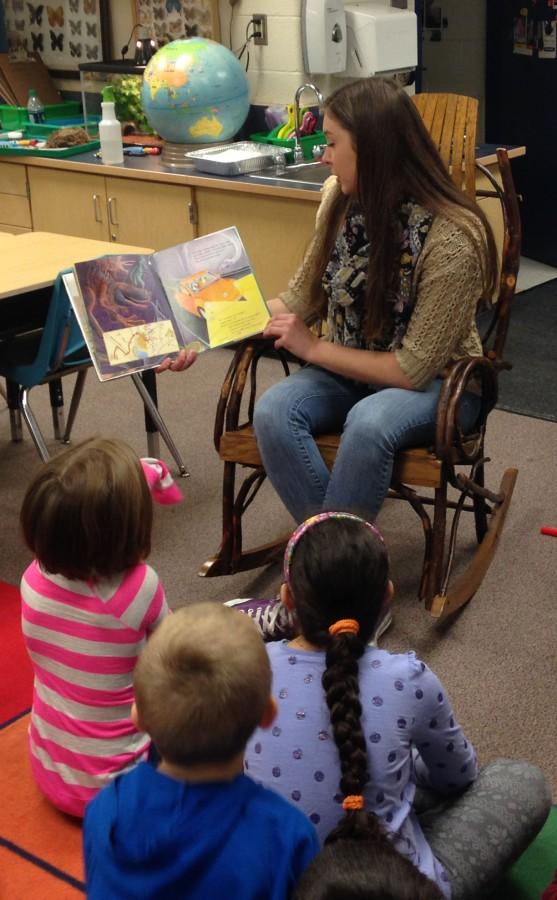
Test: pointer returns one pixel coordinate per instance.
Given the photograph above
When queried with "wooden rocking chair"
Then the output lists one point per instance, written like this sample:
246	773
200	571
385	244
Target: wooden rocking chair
454	460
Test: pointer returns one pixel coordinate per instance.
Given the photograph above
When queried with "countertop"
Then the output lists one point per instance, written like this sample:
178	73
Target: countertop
151	168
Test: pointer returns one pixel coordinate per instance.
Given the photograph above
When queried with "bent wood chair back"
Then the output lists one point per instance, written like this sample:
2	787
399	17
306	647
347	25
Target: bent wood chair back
453	461
451	120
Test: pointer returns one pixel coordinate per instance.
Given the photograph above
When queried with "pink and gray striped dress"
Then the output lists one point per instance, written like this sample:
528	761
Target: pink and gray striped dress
84	640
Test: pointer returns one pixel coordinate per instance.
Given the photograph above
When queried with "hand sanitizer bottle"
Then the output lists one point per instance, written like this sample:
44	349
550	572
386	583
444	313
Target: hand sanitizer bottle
110	130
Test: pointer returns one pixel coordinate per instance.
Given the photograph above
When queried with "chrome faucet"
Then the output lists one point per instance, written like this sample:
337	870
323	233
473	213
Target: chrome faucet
298	152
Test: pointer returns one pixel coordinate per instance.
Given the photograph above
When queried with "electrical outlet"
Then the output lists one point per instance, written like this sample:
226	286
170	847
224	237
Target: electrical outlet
260	25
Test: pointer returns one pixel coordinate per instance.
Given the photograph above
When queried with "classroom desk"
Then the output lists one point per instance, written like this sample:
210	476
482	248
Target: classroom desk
29	264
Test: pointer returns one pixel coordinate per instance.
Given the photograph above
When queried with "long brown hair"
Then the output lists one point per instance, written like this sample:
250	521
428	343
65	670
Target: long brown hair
396	160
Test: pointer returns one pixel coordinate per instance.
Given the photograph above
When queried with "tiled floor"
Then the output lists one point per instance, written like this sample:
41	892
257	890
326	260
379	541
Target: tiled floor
532	273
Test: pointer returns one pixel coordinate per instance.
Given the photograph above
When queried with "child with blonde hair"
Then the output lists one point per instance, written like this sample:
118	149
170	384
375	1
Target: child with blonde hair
197	826
89	602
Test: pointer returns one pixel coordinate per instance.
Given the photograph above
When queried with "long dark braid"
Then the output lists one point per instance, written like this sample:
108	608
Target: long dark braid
335	570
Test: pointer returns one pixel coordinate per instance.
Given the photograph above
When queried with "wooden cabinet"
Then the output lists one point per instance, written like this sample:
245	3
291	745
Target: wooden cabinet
275	230
128	211
15	212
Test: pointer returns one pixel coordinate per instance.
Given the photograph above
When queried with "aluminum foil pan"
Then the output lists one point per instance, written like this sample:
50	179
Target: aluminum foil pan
241	158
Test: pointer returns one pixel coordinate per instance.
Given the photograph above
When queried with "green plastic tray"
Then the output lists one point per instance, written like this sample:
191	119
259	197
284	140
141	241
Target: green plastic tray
41	132
15	117
307	143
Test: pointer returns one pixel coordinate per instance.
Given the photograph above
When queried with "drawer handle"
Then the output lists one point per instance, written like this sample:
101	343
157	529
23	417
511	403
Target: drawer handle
112	210
97	208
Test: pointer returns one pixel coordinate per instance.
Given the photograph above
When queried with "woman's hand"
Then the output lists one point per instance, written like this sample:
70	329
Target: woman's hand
292	334
184	360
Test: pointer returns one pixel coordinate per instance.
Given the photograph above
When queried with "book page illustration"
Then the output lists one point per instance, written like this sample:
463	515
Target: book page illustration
140	342
213	273
236	320
122	296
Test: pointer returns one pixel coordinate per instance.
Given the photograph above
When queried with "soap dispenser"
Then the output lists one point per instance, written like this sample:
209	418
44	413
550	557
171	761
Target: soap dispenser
323	36
110	130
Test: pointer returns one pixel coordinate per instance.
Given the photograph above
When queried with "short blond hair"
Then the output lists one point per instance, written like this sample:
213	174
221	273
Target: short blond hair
202	684
88	512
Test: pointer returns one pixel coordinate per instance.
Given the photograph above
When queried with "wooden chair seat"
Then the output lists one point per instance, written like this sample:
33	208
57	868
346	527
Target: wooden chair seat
417	466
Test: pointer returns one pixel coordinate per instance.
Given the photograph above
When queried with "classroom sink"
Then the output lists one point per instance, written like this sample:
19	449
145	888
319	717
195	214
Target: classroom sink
299	174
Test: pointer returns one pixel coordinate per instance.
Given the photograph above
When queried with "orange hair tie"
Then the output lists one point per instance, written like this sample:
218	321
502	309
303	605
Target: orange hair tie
353	801
344	626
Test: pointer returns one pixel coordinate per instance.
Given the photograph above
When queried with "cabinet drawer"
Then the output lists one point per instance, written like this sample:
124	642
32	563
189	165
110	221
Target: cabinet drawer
15	210
13	179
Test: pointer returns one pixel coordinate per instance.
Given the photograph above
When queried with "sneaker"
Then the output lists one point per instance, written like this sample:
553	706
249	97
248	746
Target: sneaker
384	624
274	620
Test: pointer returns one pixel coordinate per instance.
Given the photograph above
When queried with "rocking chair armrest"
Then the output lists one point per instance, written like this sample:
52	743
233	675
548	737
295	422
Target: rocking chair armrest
243	365
482	372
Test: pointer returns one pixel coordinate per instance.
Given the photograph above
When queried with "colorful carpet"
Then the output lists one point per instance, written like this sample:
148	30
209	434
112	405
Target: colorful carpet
40	848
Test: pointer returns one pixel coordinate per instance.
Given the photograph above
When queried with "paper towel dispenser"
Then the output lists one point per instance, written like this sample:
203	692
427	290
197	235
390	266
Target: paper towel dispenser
379	39
323	36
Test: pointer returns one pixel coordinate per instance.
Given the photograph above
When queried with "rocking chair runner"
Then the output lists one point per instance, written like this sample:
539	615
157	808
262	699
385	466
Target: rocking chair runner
454	460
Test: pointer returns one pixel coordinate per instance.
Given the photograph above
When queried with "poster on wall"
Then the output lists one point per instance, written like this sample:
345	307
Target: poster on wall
64	33
170	20
522	38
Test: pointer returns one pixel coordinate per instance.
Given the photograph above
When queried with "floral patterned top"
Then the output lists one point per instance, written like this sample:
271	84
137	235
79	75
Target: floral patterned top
345	279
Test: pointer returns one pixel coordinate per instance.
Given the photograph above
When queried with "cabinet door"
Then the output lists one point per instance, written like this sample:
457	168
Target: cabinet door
15	213
275	230
68	203
148	214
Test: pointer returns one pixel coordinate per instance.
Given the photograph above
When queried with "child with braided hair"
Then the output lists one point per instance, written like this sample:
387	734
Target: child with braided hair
380	724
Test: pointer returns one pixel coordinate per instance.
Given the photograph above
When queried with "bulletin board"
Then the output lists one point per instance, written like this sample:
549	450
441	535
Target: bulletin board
63	32
169	20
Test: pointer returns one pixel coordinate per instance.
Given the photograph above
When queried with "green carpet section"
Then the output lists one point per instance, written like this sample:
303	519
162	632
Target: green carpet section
531	874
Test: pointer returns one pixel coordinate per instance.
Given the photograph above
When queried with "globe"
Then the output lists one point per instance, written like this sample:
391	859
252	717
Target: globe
195	91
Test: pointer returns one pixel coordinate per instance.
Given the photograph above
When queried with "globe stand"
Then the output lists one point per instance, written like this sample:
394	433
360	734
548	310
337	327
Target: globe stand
175	154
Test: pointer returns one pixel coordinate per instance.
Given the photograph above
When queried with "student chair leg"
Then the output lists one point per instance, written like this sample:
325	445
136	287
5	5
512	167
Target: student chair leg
32	424
12	393
57	407
155	415
74	404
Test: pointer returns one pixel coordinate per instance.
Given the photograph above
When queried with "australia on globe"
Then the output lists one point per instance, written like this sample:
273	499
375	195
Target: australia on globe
195	91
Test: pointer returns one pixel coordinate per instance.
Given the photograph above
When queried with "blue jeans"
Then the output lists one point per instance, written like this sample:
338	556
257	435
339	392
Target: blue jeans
374	425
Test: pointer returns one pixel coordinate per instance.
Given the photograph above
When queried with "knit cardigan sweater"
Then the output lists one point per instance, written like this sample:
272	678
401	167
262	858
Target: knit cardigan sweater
447	284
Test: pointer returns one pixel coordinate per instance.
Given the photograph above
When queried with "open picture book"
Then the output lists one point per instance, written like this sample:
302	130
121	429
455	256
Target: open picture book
137	309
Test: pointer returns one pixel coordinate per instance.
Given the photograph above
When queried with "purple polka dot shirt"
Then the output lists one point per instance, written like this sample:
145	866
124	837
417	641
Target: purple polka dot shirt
412	737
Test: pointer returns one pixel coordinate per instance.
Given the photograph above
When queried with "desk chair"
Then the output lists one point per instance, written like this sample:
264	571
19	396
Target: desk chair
47	354
454	461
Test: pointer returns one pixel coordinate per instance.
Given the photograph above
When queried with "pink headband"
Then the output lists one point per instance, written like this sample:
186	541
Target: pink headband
310	523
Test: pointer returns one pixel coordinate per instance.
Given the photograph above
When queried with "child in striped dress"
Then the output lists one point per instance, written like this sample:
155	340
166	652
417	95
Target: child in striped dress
89	602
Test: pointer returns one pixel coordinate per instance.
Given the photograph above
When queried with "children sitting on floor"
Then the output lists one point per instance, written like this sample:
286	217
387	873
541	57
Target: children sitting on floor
196	826
379	724
89	601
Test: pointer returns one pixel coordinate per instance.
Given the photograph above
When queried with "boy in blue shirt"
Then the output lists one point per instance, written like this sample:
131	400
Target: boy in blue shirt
196	826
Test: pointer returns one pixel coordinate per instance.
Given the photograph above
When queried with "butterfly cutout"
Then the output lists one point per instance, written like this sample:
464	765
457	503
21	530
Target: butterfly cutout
19	24
92	52
90	6
75	49
35	13
191	31
91	29
56	40
173	4
37	42
74	6
18	7
158	12
75	26
55	16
